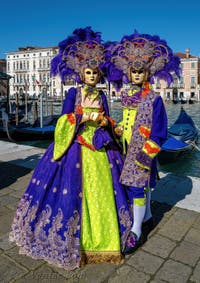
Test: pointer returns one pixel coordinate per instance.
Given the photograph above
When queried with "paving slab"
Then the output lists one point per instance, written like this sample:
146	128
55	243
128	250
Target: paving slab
174	272
196	274
159	246
128	274
145	262
10	270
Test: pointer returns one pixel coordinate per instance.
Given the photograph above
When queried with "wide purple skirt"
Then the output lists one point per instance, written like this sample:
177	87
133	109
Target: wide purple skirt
47	224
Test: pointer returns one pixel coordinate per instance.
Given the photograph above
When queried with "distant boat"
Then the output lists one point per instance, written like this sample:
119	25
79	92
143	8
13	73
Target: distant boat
183	101
191	101
35	131
175	101
182	137
115	99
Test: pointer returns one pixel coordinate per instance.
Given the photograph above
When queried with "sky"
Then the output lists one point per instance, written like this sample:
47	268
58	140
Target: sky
45	23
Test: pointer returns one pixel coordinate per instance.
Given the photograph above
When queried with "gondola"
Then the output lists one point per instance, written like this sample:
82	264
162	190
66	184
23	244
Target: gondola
182	137
26	131
37	131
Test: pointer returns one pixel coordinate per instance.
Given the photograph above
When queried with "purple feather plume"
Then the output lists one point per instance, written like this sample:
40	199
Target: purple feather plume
58	65
172	65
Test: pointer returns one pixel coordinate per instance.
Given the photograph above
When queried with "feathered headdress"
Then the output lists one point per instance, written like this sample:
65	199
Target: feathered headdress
142	51
83	49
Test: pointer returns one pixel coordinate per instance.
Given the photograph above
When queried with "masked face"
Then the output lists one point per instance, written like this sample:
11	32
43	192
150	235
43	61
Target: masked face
138	76
91	76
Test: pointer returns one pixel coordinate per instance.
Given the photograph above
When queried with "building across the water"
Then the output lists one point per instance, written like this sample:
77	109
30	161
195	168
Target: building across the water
188	86
29	68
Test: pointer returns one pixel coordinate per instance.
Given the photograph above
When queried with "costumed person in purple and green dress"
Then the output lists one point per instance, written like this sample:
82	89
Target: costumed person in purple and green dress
137	60
74	210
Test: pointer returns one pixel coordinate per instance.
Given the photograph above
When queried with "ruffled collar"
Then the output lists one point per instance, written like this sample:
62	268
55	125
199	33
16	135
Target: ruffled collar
133	96
90	91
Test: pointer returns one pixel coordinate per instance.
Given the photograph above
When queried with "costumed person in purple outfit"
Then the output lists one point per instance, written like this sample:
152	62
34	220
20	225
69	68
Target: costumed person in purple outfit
138	59
74	210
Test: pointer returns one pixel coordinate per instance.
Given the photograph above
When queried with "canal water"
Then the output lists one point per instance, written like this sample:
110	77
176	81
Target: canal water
188	164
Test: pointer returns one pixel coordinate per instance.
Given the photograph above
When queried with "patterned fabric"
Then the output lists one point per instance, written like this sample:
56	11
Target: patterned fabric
51	221
64	133
150	115
131	174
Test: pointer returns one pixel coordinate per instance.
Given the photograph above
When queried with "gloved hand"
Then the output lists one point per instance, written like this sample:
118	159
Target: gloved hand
103	122
96	117
119	130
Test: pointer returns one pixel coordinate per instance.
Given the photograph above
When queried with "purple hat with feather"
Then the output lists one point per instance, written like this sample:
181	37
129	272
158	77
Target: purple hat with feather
142	51
83	49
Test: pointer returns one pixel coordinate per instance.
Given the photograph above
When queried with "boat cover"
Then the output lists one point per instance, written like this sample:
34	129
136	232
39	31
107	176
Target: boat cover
183	131
174	144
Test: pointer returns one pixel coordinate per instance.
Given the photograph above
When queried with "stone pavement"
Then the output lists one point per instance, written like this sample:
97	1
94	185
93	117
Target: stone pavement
171	253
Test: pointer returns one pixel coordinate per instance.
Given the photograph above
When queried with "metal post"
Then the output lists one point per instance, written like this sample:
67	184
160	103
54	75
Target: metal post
26	103
8	97
17	109
35	111
61	93
41	111
46	94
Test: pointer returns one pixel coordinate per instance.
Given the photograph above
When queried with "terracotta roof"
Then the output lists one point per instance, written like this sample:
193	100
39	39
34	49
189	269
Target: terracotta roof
183	55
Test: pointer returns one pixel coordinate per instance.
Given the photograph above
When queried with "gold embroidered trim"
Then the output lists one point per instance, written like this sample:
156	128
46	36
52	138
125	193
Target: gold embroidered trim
88	257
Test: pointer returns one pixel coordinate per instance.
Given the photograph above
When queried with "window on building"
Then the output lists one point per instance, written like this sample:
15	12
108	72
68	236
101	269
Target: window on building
158	85
8	66
192	94
192	81
181	82
175	81
34	65
192	65
168	95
